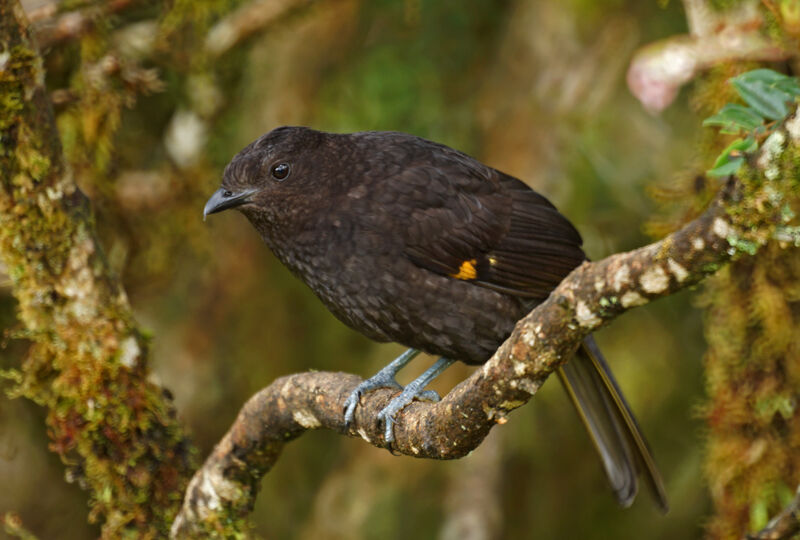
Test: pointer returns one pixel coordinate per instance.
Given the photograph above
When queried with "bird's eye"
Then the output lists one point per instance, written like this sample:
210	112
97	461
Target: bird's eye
280	171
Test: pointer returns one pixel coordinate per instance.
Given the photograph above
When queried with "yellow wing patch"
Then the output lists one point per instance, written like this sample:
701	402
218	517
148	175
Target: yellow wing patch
467	270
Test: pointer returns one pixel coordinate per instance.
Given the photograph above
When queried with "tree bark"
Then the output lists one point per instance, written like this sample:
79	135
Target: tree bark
87	365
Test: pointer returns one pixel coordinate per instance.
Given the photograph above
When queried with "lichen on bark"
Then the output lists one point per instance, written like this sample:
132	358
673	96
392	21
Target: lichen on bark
87	364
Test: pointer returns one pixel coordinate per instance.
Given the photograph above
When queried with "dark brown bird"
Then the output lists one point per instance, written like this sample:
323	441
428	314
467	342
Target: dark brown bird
407	240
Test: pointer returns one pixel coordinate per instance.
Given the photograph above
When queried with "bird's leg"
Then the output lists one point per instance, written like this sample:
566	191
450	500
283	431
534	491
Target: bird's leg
414	389
385	378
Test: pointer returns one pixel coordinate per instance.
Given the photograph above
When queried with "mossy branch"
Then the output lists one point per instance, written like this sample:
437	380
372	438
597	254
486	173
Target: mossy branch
742	218
115	431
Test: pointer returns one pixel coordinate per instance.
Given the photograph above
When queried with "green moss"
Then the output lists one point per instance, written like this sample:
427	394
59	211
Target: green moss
745	246
752	367
116	432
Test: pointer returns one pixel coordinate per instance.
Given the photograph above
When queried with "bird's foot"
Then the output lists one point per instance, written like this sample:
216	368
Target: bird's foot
410	392
385	378
414	389
367	386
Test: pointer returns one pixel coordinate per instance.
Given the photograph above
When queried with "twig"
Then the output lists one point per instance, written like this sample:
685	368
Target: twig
246	21
12	524
53	27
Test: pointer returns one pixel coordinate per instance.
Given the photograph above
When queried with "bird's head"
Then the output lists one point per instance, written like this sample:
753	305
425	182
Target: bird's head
271	175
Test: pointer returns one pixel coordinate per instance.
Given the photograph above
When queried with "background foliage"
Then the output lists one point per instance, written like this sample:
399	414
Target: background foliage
151	107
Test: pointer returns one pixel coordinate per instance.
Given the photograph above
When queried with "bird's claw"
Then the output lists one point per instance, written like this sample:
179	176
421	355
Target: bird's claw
398	403
354	398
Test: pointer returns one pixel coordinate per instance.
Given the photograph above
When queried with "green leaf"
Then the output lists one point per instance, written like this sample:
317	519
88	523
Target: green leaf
732	157
729	167
773	79
735	118
767	91
790	85
765	100
767	76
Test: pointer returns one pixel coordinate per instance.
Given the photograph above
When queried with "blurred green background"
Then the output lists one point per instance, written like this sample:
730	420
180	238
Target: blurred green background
534	88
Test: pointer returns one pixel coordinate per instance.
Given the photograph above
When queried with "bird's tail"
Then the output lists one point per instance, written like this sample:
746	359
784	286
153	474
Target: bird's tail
611	425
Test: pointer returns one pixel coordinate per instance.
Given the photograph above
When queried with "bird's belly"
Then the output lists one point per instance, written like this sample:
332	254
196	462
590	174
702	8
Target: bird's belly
394	300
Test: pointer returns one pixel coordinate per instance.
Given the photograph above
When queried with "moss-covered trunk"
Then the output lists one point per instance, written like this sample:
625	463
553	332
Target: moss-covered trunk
116	432
753	376
752	326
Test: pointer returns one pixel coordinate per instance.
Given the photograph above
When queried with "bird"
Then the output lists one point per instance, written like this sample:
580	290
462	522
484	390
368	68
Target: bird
410	241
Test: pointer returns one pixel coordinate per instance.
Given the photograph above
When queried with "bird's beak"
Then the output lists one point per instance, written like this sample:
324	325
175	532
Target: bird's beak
223	199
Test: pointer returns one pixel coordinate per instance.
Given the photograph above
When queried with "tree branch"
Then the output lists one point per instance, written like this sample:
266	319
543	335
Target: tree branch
739	220
52	26
246	21
658	70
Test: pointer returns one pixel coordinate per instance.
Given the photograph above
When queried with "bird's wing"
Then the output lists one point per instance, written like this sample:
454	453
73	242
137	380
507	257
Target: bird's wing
490	229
